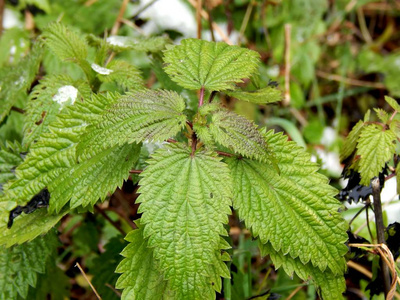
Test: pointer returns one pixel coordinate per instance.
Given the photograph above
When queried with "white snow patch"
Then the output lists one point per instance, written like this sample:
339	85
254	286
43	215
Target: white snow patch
101	70
330	161
11	19
64	94
169	14
153	146
273	71
117	40
328	136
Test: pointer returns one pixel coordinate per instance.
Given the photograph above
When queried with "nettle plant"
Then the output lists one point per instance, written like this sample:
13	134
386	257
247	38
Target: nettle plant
82	142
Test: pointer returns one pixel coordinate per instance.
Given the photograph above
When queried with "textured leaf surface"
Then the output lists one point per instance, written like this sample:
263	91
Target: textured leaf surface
16	80
47	99
351	141
185	200
9	160
141	277
20	264
332	286
261	96
393	103
295	210
55	151
215	66
139	116
67	45
51	156
25	227
237	133
85	183
124	74
375	147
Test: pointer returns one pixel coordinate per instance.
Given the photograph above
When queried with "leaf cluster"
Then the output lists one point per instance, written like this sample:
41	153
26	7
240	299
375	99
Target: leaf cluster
82	144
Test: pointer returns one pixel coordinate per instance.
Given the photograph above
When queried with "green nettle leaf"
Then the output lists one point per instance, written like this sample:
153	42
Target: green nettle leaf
375	147
141	277
332	286
351	141
85	183
185	199
295	210
215	66
26	227
55	151
16	80
235	132
153	115
261	96
67	44
393	103
20	265
47	99
382	115
123	73
9	160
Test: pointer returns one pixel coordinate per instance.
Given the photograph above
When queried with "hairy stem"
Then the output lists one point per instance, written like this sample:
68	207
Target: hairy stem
380	229
201	100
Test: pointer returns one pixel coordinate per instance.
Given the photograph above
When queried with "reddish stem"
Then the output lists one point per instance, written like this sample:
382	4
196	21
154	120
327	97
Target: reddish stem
135	171
201	100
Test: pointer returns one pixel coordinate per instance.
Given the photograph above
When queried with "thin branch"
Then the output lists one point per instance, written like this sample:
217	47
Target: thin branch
17	109
245	21
135	171
210	24
212	95
117	23
358	213
350	81
113	223
225	154
288	31
171	141
205	16
292	294
87	279
2	6
380	229
199	6
118	293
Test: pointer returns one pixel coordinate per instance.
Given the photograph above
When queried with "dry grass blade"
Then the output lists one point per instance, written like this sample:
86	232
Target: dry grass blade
387	257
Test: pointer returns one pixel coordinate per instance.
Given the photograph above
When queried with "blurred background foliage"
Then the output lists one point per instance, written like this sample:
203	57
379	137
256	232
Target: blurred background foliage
333	60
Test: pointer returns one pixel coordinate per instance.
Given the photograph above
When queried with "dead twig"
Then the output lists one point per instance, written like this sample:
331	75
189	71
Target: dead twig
117	22
288	31
350	81
205	16
87	279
